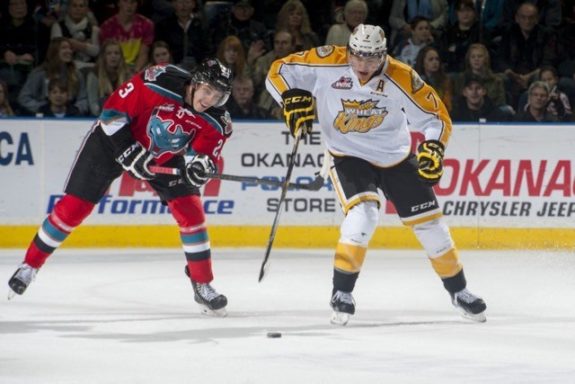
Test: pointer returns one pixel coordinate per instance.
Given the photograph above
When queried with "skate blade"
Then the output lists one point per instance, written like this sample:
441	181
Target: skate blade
339	318
11	294
213	312
478	317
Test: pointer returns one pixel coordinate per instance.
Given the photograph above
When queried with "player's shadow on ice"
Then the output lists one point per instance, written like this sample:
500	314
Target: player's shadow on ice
197	328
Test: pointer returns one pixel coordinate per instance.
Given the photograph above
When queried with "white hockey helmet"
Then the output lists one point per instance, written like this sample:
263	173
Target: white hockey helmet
367	41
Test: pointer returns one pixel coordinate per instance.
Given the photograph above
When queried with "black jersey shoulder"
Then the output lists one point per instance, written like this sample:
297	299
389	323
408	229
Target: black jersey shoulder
220	119
168	80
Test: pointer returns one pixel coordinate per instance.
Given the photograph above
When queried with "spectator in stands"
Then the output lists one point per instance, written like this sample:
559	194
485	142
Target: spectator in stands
231	53
473	105
549	11
489	14
459	36
478	62
420	37
240	23
185	33
5	107
526	45
293	17
18	49
109	73
536	109
48	12
404	11
559	104
58	104
133	31
81	33
59	64
284	44
428	65
241	105
160	53
354	13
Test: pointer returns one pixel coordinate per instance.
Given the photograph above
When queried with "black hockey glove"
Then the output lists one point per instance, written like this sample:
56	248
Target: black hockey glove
430	161
196	170
135	160
298	110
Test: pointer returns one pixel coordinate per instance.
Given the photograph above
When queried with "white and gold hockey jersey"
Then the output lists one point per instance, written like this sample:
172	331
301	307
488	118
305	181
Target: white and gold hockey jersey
369	121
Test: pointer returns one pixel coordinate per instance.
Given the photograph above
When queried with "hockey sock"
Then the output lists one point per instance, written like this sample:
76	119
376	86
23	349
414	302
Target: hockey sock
455	283
189	214
347	264
344	281
355	232
68	213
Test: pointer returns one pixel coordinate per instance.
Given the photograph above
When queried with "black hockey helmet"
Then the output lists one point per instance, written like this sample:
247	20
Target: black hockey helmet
214	73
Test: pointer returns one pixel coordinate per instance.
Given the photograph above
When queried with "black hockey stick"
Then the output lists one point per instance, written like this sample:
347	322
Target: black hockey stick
291	164
314	185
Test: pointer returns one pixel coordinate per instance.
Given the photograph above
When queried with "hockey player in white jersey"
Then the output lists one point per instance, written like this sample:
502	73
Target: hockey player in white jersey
365	100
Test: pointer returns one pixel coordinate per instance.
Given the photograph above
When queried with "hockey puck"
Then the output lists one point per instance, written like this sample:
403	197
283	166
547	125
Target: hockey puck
274	335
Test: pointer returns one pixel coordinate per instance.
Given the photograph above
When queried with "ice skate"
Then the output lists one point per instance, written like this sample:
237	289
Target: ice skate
21	279
470	306
343	307
212	302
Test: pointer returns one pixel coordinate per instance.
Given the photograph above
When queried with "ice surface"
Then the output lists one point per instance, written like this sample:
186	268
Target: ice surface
128	316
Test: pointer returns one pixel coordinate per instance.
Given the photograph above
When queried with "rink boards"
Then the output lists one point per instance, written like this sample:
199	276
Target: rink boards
505	186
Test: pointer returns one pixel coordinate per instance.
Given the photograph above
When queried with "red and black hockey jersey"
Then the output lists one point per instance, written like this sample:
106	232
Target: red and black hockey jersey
152	105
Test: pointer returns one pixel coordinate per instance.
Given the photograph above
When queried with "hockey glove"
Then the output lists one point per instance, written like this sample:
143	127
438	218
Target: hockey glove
298	111
197	169
430	161
135	160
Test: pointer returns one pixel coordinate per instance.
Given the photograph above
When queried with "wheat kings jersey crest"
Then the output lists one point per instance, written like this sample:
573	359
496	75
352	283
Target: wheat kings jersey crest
370	121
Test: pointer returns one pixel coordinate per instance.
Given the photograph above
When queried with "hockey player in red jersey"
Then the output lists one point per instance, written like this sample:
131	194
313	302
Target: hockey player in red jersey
157	117
366	101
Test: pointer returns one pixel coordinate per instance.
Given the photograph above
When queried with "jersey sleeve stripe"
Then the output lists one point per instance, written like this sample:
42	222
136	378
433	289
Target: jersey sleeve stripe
164	92
213	122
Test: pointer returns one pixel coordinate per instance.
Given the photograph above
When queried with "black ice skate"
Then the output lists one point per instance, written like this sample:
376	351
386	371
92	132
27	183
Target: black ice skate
343	307
21	279
471	307
211	302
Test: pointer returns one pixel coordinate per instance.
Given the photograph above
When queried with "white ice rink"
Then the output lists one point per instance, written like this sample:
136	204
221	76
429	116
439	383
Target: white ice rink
117	316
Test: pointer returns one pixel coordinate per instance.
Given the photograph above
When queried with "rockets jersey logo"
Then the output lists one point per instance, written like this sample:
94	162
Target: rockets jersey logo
152	73
344	82
169	131
359	116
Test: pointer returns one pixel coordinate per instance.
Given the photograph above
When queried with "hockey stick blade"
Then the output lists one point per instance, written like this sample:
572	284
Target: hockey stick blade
265	265
314	185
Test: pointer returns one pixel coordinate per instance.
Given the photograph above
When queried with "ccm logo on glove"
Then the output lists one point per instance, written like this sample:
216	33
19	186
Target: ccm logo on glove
298	110
135	160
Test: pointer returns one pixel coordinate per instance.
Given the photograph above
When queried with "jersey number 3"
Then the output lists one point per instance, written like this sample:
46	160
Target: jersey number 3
124	92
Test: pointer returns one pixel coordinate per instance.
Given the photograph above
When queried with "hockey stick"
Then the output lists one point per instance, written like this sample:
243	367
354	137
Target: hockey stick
314	185
291	164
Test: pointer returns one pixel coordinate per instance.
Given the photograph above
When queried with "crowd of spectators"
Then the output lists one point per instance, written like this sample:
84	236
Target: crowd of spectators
489	60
